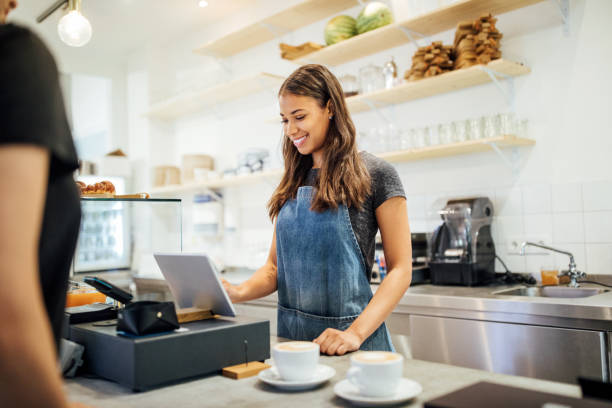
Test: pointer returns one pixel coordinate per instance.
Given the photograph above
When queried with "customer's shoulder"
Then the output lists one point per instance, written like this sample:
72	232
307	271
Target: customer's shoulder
17	42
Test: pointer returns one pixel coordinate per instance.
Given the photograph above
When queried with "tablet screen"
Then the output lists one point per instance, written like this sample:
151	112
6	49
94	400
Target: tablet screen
194	282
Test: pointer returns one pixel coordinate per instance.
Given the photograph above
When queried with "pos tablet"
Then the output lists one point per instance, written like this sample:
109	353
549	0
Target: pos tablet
194	282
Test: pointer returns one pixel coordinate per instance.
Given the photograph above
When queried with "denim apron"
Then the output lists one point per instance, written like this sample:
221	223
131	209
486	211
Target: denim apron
321	273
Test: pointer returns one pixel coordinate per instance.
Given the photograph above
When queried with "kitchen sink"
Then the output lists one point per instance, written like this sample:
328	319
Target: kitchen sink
552	292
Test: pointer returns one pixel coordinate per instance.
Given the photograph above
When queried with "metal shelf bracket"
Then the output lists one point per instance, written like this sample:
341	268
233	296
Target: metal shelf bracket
379	112
564	10
495	77
411	34
512	162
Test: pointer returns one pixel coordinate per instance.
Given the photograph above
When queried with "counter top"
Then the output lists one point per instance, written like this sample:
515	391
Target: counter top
216	390
481	303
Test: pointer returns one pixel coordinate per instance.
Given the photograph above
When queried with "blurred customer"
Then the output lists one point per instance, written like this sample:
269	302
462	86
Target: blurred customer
39	218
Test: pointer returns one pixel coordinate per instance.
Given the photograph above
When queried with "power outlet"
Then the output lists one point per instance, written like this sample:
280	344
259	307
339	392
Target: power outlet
514	244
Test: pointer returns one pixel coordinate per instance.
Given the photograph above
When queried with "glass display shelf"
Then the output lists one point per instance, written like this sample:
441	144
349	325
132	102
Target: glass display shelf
122	234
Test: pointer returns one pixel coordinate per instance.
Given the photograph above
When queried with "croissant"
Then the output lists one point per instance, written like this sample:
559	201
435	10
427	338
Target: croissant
103	187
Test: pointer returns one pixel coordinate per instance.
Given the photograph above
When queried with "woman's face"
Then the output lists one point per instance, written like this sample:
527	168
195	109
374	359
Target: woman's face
5	7
304	122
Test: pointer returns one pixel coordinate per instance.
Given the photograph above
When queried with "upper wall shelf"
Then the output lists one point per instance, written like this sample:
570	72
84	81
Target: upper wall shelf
394	35
269	28
447	82
429	152
193	101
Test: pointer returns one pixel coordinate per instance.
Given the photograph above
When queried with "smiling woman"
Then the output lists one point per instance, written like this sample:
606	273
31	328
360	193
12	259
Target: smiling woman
320	134
327	209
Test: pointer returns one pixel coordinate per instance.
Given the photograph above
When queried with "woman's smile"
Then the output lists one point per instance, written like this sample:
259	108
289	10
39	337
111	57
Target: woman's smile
299	141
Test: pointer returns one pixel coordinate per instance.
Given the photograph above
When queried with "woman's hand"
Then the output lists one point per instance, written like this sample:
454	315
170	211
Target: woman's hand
233	291
338	342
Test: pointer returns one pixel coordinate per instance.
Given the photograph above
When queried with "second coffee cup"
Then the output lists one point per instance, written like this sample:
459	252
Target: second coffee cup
296	360
376	373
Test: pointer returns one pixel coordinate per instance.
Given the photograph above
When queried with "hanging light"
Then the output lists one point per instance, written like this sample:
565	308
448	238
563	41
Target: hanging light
73	28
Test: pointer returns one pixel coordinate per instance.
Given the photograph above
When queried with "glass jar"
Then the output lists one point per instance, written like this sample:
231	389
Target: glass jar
371	79
350	85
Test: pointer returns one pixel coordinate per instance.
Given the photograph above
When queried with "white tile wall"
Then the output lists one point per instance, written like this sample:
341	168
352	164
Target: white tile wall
567	198
599	258
538	225
552	214
568	227
536	199
597	196
508	201
416	207
598	227
508	228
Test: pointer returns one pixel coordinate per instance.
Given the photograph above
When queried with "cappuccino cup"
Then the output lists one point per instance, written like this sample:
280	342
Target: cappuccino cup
296	360
376	373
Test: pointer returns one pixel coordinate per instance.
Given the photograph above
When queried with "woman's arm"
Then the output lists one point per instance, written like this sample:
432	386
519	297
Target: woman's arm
392	217
29	371
262	283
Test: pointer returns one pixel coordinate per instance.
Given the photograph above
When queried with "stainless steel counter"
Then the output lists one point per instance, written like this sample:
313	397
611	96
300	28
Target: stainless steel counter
592	313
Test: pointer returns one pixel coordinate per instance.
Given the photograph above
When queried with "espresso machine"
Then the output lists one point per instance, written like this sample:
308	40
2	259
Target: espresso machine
462	249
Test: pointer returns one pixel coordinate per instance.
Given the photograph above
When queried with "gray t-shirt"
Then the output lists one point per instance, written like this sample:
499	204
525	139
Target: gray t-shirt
386	183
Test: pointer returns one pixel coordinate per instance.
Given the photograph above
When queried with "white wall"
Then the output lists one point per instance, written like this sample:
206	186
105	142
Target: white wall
562	192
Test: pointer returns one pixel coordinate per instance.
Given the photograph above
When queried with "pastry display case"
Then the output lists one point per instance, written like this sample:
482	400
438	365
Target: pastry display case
121	234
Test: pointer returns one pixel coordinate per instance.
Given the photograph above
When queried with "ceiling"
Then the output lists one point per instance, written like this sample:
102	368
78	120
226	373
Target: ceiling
121	27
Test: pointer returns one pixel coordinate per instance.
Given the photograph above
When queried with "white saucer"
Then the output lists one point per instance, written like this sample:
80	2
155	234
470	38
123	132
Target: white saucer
406	389
323	373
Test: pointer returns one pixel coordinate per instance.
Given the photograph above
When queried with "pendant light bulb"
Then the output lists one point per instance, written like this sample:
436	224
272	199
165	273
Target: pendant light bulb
73	28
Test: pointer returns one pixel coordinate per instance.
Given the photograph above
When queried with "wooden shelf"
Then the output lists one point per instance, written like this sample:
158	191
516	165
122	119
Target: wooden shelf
219	183
193	101
290	19
439	20
454	149
439	84
430	152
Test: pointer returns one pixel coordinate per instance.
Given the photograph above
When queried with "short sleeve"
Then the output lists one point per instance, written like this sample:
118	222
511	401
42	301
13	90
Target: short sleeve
31	104
386	182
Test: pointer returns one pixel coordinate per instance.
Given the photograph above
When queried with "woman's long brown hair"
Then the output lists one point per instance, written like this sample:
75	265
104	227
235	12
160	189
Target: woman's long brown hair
343	177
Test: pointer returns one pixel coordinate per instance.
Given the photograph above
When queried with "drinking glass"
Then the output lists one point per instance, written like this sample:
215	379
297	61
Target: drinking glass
491	126
371	79
421	138
461	130
475	129
507	123
433	135
406	136
445	133
522	128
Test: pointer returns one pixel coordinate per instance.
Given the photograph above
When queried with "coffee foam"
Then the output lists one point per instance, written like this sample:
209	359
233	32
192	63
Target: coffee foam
296	346
376	357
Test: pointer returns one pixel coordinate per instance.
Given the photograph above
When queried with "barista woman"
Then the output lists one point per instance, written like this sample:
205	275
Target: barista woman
327	209
39	218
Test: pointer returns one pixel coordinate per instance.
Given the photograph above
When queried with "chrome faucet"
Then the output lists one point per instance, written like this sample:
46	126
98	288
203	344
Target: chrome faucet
573	273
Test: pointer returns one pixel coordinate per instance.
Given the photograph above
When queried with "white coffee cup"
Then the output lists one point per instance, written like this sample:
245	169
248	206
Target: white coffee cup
376	373
296	360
